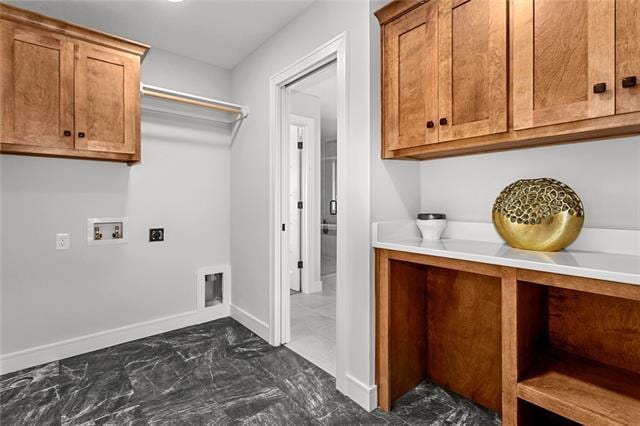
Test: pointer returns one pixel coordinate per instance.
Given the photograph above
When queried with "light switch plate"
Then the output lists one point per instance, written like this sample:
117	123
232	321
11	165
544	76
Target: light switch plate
63	241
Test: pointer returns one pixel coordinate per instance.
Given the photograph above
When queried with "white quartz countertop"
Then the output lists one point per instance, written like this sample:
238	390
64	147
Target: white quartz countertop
623	268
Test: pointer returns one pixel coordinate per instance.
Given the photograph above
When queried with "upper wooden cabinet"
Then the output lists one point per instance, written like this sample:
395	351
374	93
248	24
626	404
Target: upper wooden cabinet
563	69
511	73
444	71
473	68
37	87
67	91
107	99
411	78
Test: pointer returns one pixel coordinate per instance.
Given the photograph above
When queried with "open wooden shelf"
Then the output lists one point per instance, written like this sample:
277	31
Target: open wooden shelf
583	390
541	348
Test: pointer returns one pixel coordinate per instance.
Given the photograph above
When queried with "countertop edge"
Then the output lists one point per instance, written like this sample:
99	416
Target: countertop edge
618	277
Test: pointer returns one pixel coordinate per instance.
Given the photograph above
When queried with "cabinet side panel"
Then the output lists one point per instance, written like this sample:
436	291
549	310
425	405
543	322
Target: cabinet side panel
407	326
464	334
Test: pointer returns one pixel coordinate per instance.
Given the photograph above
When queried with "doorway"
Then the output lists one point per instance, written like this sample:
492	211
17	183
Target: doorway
312	208
333	52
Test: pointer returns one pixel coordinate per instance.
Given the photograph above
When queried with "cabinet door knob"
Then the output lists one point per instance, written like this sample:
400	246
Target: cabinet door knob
430	124
81	134
67	132
629	81
599	87
443	121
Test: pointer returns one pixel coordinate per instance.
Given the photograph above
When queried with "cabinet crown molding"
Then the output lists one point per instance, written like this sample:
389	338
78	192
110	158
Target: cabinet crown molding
396	8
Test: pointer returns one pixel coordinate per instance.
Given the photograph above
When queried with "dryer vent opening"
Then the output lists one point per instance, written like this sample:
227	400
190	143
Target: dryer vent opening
213	289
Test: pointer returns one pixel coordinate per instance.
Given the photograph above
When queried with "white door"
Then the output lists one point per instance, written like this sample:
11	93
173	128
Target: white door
296	134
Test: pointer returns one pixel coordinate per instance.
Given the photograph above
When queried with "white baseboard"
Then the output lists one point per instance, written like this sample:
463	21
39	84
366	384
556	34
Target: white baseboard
31	357
261	328
363	395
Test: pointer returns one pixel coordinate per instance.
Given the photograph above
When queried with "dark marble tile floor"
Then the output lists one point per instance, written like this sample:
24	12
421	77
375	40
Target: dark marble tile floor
216	373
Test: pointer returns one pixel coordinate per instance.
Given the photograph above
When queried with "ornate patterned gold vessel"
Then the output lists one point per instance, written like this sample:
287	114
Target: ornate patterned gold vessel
538	214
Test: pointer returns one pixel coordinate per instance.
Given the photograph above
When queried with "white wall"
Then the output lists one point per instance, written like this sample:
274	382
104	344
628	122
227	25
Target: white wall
395	185
605	174
167	69
182	184
376	189
250	165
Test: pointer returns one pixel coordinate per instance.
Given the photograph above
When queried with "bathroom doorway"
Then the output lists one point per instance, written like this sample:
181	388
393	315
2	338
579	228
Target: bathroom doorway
312	216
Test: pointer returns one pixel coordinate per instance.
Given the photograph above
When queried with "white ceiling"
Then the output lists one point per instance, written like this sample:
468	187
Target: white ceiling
219	32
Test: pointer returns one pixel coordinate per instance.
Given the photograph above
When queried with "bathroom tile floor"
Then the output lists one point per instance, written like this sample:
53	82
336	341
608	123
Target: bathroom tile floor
313	325
213	373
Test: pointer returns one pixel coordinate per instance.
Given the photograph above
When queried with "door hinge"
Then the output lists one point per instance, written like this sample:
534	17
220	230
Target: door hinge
283	226
300	145
299	264
300	204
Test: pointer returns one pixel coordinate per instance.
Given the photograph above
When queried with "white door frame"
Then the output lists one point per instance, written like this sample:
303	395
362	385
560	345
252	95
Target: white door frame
333	50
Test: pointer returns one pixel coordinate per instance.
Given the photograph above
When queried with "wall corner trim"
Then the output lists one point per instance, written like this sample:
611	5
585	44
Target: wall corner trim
261	328
363	395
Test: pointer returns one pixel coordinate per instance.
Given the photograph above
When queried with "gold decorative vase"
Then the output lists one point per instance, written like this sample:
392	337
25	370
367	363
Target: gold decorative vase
538	214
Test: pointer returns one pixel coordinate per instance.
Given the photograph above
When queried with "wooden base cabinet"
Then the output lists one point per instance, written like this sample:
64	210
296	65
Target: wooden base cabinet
537	347
67	91
511	74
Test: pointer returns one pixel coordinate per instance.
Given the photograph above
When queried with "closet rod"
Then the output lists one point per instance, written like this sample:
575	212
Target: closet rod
188	98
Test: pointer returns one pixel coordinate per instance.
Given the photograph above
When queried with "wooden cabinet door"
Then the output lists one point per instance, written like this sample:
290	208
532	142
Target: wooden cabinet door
410	79
627	56
563	56
473	68
37	87
106	100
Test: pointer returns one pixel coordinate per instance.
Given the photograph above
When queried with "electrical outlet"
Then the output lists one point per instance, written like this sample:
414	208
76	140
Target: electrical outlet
63	241
156	234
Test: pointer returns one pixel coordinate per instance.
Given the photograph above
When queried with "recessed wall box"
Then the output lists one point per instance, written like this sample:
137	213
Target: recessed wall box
110	230
213	291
